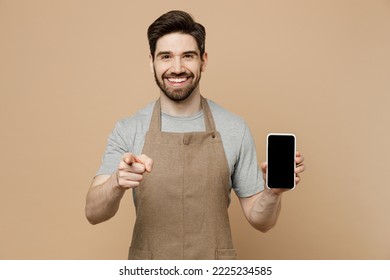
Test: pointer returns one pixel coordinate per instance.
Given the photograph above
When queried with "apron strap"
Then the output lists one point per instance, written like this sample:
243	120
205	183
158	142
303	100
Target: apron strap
155	123
208	117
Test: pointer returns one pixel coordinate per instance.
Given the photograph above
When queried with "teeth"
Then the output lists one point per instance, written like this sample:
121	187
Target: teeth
177	80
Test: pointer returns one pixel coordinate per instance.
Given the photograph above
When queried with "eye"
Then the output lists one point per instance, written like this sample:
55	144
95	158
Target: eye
165	57
189	56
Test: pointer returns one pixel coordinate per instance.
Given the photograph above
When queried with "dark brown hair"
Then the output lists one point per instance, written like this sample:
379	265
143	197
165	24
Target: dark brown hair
176	21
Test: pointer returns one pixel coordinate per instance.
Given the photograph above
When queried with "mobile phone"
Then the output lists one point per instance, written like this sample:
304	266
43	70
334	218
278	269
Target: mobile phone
281	150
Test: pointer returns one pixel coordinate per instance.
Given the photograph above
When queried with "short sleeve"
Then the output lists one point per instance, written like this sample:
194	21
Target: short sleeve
247	178
116	147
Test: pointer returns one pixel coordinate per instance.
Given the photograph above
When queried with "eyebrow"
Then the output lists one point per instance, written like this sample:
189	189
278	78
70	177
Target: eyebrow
162	53
184	53
191	52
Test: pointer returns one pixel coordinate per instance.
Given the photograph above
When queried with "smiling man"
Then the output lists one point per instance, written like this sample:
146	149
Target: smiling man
177	72
182	155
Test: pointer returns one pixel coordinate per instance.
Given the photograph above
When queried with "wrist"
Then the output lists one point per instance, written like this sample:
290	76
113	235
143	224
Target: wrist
273	193
114	188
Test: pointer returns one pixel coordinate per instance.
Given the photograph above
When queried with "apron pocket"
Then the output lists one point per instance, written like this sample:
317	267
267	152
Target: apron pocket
226	254
135	254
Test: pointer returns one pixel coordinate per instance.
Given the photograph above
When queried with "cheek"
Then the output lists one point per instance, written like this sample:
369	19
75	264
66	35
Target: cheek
195	69
199	70
160	67
159	72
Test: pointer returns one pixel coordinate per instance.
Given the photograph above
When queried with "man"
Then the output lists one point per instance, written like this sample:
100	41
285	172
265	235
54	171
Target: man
181	155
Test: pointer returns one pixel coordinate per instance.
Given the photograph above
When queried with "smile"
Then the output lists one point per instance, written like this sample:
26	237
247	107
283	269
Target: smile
177	81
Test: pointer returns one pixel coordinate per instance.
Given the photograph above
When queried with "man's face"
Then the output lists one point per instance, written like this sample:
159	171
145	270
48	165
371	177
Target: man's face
177	65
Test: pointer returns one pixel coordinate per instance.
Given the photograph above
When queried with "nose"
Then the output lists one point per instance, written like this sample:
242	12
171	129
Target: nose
177	66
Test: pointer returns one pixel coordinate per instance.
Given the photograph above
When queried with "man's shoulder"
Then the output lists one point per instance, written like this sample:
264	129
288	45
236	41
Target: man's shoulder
225	117
139	120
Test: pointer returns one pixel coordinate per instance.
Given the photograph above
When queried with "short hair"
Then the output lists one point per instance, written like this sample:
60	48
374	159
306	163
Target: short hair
176	21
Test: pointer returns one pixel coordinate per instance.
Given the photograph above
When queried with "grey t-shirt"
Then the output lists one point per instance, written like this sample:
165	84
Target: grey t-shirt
129	134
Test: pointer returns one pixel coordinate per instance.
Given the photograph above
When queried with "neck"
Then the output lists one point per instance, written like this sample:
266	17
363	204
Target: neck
187	107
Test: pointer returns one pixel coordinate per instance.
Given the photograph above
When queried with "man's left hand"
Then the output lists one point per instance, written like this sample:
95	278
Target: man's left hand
300	167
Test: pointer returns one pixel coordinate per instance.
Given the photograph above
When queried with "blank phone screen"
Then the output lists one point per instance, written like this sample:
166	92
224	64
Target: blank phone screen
281	161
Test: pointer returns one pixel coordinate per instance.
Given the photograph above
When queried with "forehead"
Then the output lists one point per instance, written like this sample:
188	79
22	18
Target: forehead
176	43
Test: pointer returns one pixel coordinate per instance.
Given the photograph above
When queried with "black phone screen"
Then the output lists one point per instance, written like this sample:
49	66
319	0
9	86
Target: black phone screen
281	161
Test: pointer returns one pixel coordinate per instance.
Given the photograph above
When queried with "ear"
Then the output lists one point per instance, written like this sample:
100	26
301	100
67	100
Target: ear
204	61
151	63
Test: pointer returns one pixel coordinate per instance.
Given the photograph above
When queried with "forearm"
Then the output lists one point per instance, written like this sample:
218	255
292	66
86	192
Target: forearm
103	200
265	210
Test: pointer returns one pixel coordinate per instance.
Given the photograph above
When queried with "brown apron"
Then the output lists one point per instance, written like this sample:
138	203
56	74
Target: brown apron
182	205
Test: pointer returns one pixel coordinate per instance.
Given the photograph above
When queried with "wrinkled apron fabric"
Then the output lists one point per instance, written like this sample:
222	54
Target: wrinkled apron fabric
182	205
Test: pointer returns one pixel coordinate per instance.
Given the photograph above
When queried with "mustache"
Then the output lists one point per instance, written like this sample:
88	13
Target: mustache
181	75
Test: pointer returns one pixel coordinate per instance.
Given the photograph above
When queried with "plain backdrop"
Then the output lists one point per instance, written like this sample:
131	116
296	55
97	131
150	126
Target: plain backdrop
320	69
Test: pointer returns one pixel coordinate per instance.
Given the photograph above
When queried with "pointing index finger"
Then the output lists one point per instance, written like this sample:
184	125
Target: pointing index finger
130	158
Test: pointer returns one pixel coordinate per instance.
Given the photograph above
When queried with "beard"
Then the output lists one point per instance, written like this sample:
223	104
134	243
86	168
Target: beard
179	94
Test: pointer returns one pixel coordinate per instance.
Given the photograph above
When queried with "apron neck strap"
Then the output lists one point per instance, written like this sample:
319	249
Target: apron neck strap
155	123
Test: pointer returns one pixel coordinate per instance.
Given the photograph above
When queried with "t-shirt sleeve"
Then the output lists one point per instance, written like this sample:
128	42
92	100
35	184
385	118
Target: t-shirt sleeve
247	177
116	147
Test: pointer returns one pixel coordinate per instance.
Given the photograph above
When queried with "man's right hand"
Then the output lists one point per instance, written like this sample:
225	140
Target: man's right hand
131	169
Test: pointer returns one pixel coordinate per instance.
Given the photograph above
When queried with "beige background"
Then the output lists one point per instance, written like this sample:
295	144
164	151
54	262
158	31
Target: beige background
319	69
